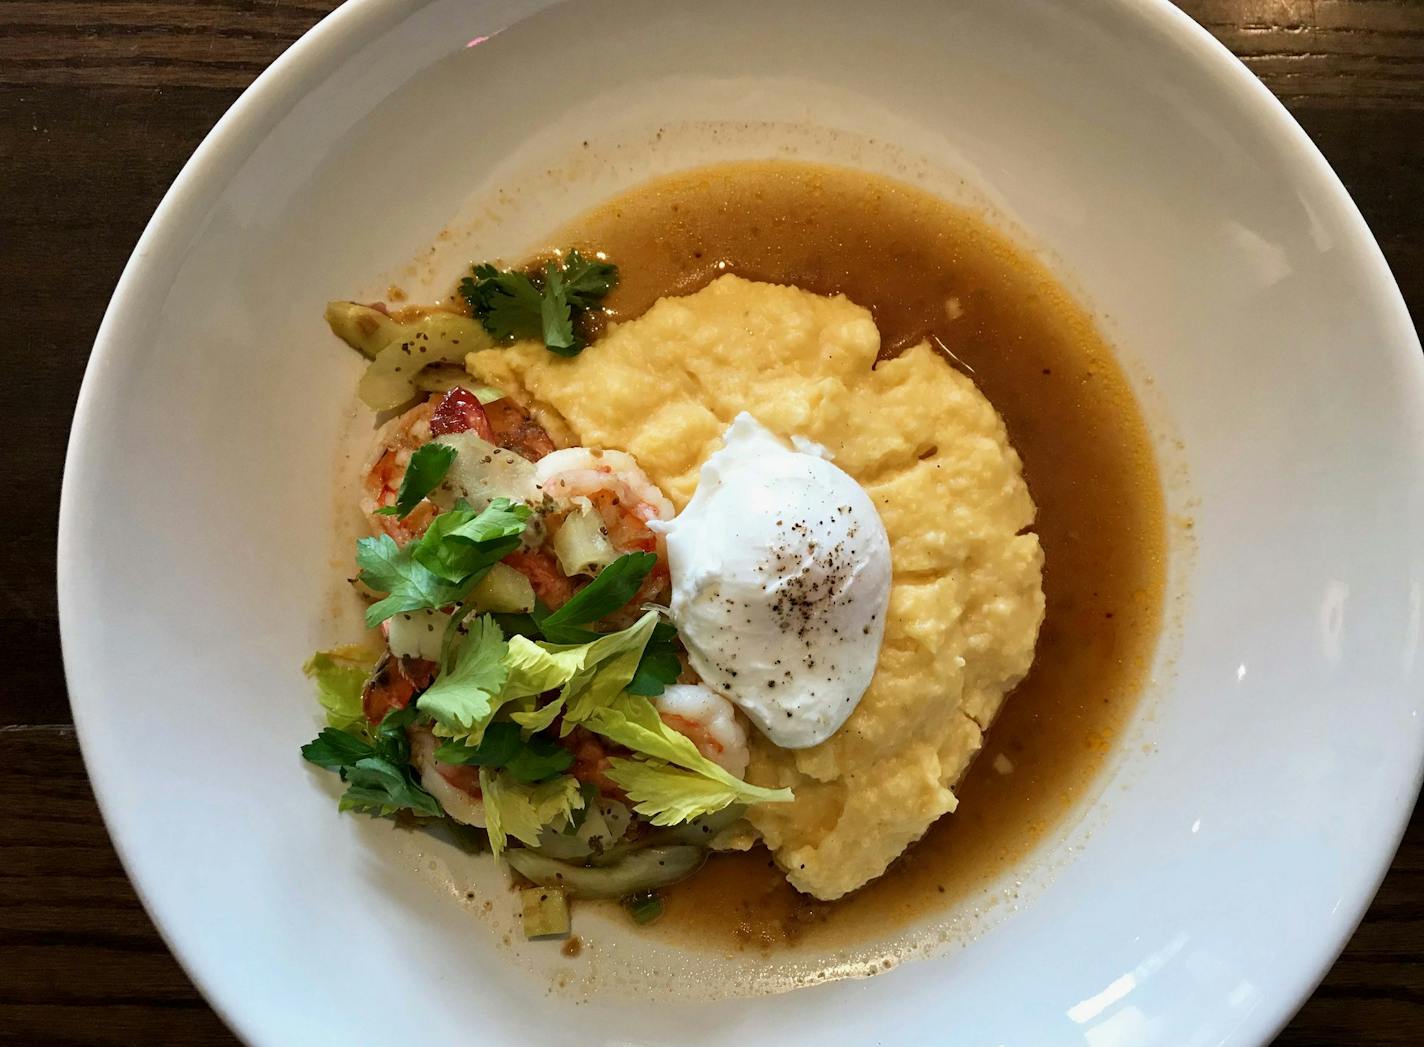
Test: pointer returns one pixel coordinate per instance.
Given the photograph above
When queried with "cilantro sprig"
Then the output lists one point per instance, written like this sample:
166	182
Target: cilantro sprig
544	304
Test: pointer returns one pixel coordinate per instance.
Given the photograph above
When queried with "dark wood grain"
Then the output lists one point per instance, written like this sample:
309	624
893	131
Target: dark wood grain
101	102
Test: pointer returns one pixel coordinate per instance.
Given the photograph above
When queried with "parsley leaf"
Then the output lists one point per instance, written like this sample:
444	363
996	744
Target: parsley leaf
540	758
441	566
391	569
461	542
334	749
427	467
463	698
613	587
378	772
557	315
658	667
380	787
533	760
513	305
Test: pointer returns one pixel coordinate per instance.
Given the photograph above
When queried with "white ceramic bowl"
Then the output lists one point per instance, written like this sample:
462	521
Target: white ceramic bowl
1238	835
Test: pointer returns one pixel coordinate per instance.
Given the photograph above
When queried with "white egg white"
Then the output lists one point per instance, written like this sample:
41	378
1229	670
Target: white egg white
780	581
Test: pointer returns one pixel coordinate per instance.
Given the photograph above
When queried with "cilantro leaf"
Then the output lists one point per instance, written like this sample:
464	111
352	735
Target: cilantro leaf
587	280
427	467
611	589
506	302
463	698
546	305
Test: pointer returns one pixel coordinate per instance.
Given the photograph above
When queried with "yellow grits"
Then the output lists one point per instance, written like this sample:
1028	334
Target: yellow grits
967	597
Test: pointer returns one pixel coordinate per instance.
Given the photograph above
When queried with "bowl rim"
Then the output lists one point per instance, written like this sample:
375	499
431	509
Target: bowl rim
356	23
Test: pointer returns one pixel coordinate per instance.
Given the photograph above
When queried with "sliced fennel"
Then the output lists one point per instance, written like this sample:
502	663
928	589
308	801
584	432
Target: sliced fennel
436	338
582	544
483	472
417	634
545	911
637	871
364	329
503	591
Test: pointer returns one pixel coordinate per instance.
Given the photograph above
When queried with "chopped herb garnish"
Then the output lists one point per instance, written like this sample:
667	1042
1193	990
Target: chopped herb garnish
544	305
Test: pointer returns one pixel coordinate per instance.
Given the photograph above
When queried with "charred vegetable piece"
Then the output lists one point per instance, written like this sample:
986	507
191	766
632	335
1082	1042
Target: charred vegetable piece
641	870
546	912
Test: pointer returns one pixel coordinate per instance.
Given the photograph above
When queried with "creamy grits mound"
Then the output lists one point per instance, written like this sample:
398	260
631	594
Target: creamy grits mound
966	600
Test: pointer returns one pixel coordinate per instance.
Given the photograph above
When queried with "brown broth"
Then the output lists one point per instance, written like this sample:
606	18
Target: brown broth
927	269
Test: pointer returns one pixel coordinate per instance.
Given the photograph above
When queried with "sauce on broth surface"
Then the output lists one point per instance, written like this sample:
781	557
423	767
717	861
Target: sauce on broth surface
927	269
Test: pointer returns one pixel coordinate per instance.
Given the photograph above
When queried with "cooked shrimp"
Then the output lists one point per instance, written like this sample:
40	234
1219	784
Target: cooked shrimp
614	484
456	411
709	721
396	441
455	787
591	760
550	584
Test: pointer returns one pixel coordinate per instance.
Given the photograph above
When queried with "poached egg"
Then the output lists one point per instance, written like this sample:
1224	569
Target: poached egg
780	581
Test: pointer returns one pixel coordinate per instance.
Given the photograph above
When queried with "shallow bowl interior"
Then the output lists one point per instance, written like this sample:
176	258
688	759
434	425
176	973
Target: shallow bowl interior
1237	838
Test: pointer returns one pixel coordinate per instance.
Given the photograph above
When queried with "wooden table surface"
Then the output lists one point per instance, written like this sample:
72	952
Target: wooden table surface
101	102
